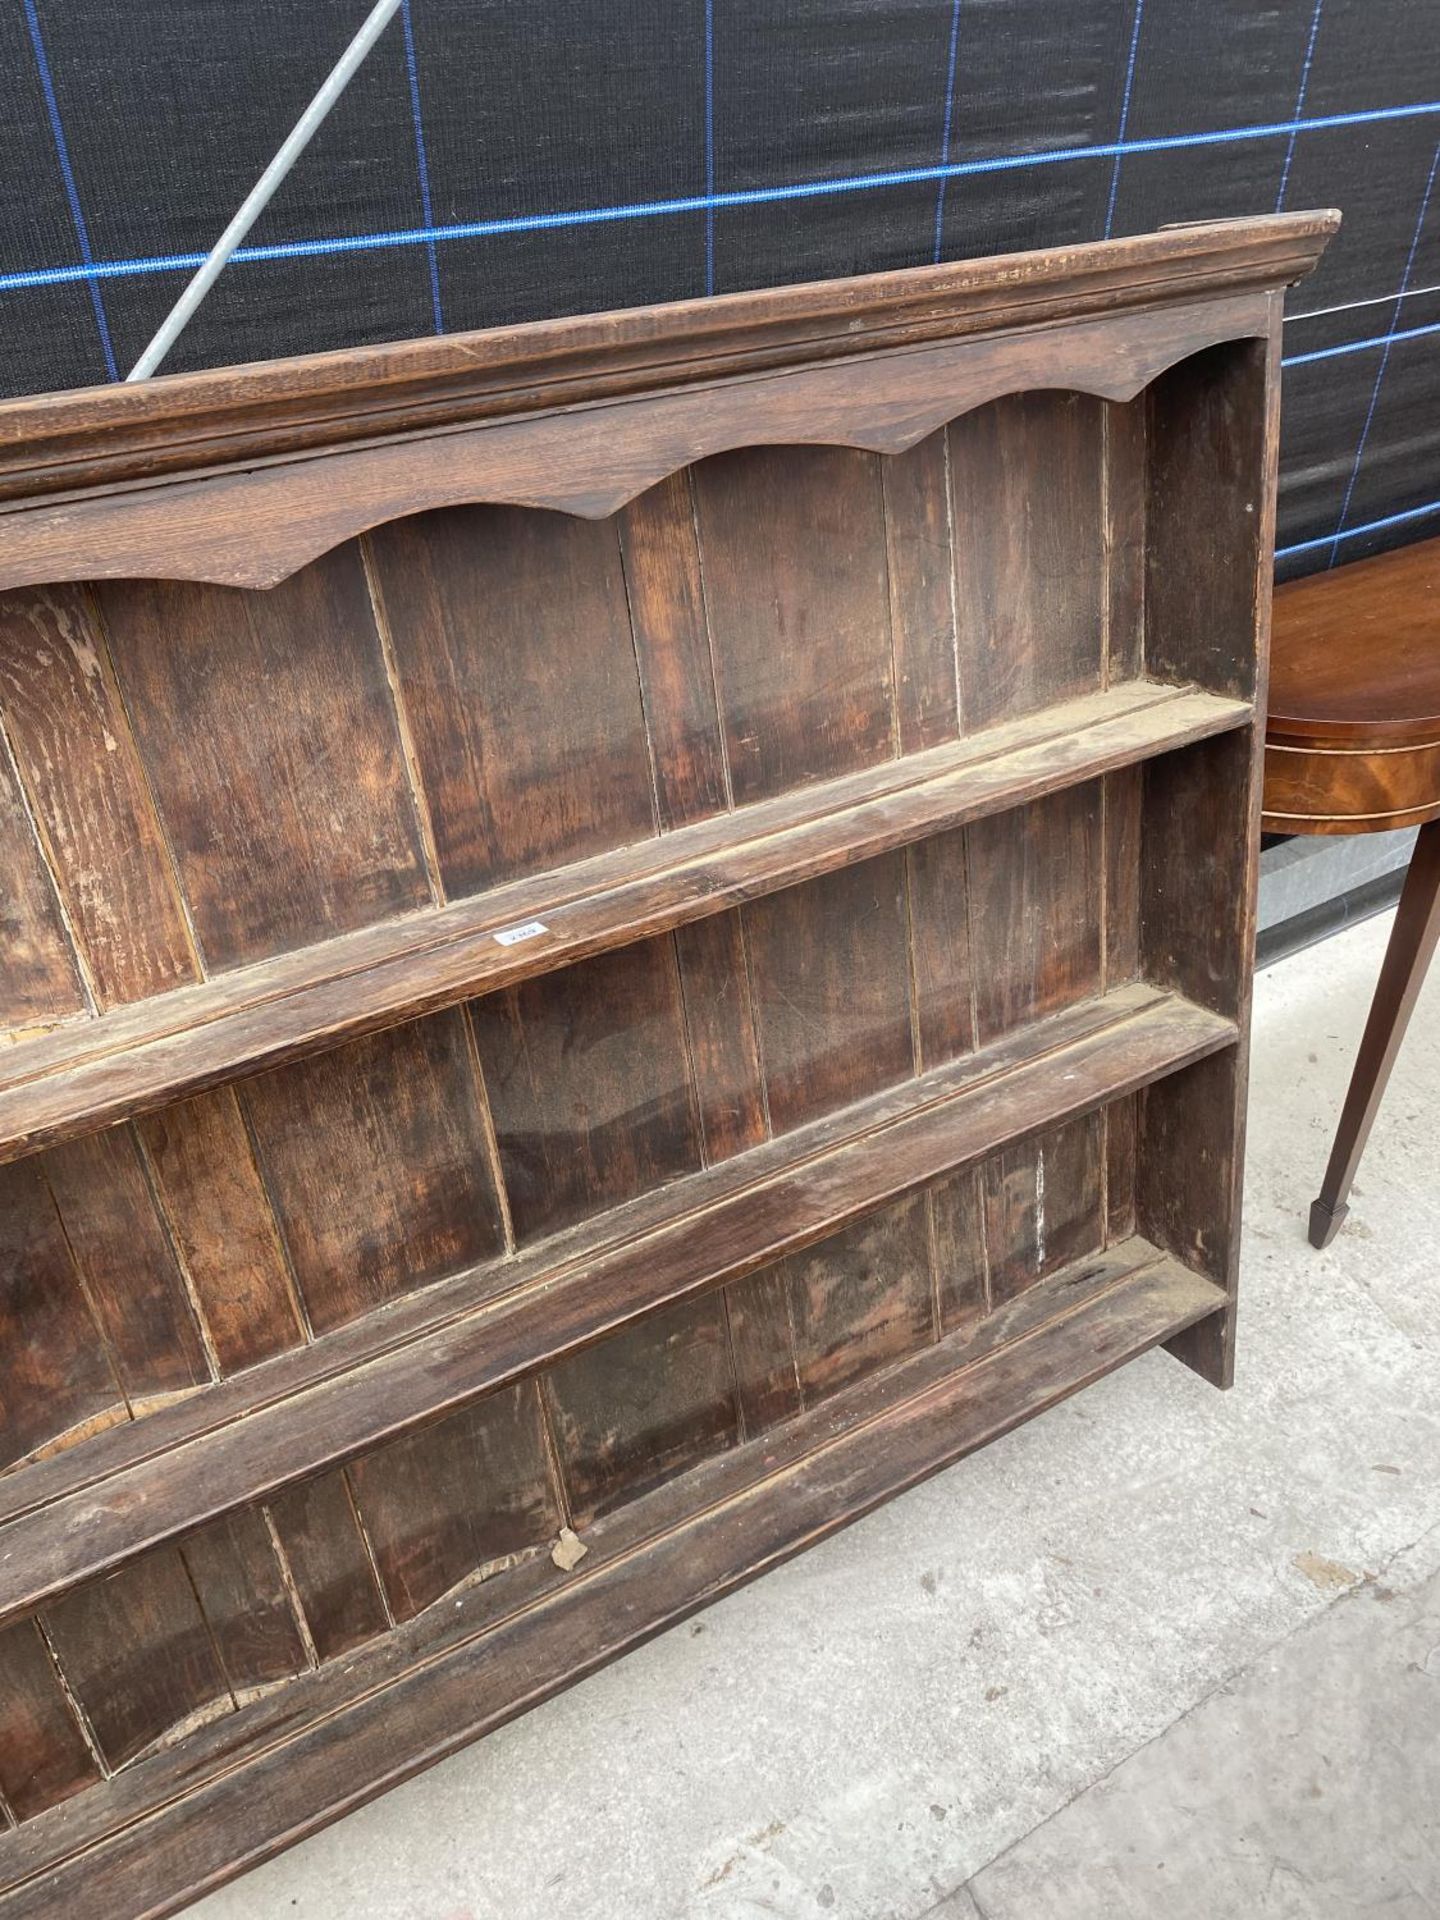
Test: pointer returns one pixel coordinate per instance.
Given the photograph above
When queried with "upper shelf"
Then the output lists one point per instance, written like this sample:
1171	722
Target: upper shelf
213	476
94	1073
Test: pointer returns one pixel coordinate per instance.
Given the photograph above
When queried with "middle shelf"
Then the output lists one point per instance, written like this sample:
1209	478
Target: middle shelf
81	1512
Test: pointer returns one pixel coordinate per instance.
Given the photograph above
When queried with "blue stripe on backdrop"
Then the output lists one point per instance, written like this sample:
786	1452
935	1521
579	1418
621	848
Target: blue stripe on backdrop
62	154
1385	356
710	145
1124	126
1299	103
945	136
1354	533
1358	346
701	202
412	68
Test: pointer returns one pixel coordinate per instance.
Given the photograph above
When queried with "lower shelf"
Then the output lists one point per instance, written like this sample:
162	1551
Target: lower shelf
172	1826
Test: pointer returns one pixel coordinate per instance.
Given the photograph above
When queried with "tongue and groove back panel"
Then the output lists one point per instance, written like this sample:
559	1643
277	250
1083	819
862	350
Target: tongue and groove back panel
663	993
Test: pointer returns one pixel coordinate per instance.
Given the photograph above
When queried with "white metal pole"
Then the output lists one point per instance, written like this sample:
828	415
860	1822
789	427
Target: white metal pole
259	195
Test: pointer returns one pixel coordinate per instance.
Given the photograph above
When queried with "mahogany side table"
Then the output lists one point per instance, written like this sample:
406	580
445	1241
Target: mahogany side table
1352	745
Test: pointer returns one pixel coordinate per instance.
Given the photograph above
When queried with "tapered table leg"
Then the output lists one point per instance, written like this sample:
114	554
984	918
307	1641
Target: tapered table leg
1413	941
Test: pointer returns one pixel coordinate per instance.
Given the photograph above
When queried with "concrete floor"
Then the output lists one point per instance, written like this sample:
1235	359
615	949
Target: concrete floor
1164	1651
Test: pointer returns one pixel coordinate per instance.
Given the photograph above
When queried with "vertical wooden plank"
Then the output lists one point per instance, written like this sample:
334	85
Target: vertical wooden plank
1027	480
1121	1142
470	1491
124	1253
922	593
762	1341
1197	907
720	1020
792	541
55	1374
1035	908
266	728
861	1299
39	982
1124	538
375	1156
237	1579
1043	1205
643	1406
957	1208
672	645
939	895
75	752
137	1655
831	977
44	1756
512	641
588	1085
330	1564
1123	795
224	1227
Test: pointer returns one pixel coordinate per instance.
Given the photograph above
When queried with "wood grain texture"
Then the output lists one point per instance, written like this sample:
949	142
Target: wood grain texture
376	1159
39	980
643	1406
831	989
957	1207
238	1581
938	889
720	1024
56	1377
457	1498
269	739
588	1083
330	1564
793	546
672	646
1035	891
921	573
225	1228
762	1350
1126	481
1043	1205
862	1299
131	1275
137	1655
72	743
530	740
44	1755
1123	803
1030	582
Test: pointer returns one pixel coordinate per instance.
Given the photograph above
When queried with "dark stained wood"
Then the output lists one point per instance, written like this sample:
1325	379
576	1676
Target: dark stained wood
72	742
225	1228
831	981
330	1564
181	1469
130	1271
103	1070
922	594
38	974
672	647
751	1507
720	1023
643	1406
58	1379
588	1083
375	1157
1043	1205
44	1755
235	1571
792	541
1035	913
277	844
1030	560
137	1655
684	965
457	1498
531	747
862	1299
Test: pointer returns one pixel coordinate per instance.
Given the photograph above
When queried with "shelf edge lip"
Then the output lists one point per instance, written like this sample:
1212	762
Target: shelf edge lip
92	1528
97	438
744	1486
797	851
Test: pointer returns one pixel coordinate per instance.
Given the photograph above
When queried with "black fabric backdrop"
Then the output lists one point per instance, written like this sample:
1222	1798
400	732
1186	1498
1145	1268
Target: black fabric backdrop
565	133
